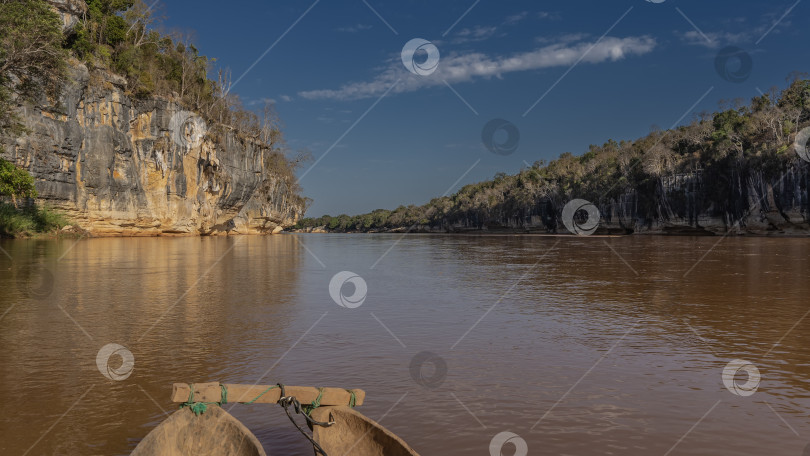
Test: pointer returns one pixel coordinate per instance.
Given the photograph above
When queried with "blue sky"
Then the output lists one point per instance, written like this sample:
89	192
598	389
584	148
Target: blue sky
383	136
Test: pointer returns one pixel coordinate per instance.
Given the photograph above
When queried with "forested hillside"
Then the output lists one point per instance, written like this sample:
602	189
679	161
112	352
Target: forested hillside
732	166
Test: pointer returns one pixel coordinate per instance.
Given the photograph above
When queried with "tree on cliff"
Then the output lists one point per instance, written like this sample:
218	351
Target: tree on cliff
32	61
15	182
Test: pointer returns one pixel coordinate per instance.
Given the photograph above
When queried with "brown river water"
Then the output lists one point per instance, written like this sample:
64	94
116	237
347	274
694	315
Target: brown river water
575	345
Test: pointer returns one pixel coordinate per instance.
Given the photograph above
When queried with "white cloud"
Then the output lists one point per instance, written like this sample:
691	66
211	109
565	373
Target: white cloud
746	33
261	101
457	68
477	33
285	98
562	39
515	18
485	32
354	28
549	16
713	40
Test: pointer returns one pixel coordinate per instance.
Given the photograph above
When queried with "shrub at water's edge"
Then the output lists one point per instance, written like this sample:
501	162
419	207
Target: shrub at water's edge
29	220
23	219
735	169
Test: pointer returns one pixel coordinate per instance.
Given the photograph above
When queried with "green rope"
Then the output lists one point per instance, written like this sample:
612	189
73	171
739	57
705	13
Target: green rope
200	407
260	395
315	404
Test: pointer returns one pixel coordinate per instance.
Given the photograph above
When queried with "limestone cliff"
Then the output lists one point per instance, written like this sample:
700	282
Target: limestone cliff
726	201
735	202
121	166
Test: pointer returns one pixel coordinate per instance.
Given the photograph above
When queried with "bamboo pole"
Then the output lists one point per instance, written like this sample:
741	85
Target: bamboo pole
211	392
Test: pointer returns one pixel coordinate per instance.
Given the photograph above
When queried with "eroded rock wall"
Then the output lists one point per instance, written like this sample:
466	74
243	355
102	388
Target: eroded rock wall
120	166
732	200
735	201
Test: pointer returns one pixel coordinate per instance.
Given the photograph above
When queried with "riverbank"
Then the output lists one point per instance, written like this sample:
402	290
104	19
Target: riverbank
30	221
673	231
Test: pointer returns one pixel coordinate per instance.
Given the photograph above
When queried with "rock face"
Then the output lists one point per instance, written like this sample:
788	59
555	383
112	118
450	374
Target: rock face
70	10
732	200
735	201
119	166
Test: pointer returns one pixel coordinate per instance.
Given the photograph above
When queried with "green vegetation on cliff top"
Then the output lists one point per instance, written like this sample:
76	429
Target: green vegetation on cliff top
32	60
743	138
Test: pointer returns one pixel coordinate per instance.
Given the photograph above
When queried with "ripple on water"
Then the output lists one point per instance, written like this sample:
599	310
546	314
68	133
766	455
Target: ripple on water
580	353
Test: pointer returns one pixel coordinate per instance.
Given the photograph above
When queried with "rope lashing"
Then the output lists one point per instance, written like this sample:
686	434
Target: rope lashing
200	407
315	404
285	402
260	395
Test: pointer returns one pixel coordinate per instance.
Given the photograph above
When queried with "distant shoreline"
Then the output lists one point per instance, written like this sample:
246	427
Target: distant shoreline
559	235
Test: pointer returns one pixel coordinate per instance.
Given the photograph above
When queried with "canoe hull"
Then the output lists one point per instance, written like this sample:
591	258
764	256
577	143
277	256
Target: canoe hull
355	434
214	433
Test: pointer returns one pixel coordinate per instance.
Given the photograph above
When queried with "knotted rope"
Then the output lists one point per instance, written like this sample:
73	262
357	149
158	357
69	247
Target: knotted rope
200	407
284	401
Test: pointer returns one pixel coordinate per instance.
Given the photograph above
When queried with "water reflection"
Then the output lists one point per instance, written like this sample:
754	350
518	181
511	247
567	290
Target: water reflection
182	306
578	345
